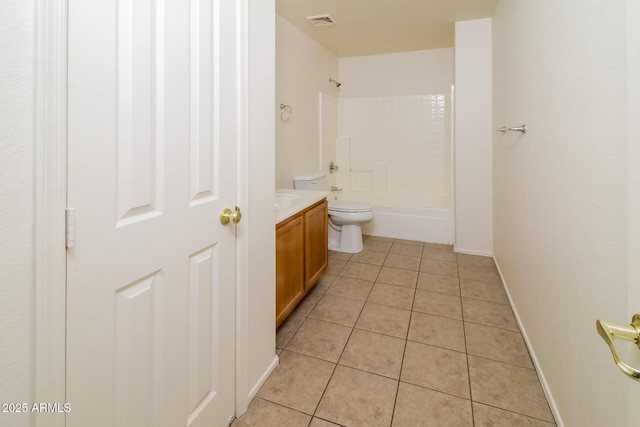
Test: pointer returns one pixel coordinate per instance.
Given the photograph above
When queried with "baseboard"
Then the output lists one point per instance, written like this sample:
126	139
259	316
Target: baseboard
543	380
471	252
263	378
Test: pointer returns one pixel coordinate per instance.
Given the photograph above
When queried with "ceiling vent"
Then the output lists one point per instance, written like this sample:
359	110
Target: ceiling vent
321	20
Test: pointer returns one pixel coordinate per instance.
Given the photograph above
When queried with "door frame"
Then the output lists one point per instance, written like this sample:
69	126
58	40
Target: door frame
633	188
50	137
50	203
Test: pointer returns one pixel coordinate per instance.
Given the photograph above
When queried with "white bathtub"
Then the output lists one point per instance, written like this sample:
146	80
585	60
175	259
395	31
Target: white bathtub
425	224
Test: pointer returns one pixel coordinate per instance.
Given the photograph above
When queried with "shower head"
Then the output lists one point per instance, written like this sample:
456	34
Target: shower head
338	84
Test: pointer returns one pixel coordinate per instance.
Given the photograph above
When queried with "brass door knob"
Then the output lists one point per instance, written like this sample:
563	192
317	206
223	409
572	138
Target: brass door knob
227	215
610	331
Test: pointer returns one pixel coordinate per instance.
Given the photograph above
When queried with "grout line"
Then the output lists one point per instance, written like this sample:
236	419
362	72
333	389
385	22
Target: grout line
406	341
344	348
282	406
466	348
437	390
404	350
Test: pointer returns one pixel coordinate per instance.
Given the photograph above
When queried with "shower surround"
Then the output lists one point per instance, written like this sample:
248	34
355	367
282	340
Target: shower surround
394	152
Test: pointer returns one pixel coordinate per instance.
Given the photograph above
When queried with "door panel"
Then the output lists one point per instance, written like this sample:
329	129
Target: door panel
151	157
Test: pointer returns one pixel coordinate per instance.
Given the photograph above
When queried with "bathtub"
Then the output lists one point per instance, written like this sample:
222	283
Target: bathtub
421	223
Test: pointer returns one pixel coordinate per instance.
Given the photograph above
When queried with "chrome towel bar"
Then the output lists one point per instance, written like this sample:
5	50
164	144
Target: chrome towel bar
504	129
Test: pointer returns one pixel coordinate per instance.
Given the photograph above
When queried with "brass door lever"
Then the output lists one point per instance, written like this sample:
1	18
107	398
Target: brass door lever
610	331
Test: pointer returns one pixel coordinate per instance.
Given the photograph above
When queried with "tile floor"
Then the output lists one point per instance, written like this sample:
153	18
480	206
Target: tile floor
402	334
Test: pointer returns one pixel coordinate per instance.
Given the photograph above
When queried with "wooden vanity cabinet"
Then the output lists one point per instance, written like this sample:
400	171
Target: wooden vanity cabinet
316	252
301	256
289	266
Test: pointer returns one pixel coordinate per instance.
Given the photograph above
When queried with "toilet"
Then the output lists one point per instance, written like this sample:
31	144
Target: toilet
345	217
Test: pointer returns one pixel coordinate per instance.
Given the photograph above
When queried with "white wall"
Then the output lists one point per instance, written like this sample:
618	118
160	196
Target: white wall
16	205
397	74
303	69
560	193
473	133
633	184
259	174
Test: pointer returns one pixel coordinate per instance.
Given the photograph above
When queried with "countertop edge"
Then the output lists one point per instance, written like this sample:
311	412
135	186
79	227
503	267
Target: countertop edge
306	198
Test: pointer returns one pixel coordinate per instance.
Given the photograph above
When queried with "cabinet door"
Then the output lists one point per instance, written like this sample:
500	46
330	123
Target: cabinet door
316	247
289	266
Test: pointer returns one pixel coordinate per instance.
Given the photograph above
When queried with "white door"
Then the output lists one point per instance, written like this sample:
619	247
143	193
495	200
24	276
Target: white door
151	164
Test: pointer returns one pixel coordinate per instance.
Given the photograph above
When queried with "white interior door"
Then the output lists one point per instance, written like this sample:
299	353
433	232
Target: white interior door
151	143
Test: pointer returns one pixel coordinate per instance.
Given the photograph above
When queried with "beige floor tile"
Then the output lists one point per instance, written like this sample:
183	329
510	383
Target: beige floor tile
356	398
438	304
320	339
379	238
439	254
497	344
384	320
485	261
437	331
489	314
266	414
317	422
358	270
377	245
409	242
298	382
369	256
442	268
436	368
417	406
334	309
425	347
349	287
324	283
307	304
406	250
287	329
335	266
394	296
508	387
375	353
340	255
479	273
486	291
439	246
402	262
318	291
399	277
437	283
487	416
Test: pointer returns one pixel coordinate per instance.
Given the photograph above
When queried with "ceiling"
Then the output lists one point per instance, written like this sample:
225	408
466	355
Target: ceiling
370	27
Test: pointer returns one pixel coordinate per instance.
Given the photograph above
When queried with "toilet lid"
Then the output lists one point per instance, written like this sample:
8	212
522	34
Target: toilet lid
347	206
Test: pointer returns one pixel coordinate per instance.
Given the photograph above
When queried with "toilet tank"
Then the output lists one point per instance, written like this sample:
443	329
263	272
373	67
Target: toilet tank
311	181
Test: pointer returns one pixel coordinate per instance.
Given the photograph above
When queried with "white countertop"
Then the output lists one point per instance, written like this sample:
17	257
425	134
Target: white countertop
289	202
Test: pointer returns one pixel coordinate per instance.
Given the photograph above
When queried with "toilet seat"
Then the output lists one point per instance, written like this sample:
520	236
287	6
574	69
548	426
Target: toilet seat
349	206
